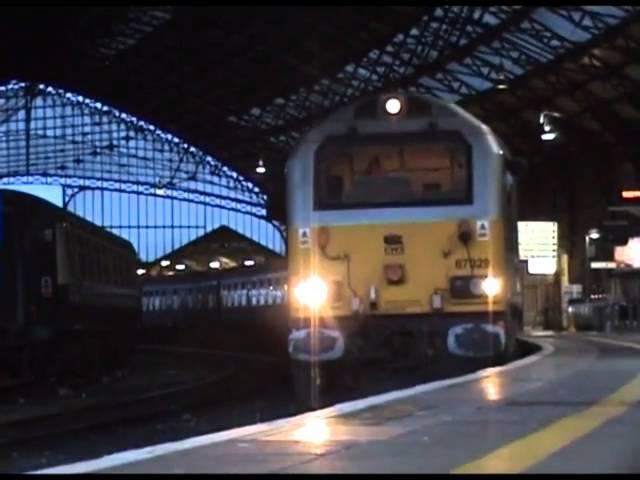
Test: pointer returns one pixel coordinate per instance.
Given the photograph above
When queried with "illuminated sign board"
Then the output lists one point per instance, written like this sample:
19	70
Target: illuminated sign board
542	266
537	240
628	256
630	194
603	265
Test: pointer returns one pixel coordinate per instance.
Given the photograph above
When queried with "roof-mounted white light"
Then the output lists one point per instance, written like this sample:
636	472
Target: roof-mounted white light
393	105
549	130
502	82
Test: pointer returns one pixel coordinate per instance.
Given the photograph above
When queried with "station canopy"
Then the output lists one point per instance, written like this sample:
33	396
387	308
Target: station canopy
242	84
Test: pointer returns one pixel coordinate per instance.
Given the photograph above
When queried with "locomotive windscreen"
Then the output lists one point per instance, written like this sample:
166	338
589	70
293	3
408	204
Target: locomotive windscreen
392	170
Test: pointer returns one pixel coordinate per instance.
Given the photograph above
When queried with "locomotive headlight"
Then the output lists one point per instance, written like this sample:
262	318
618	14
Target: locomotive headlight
393	105
491	286
312	292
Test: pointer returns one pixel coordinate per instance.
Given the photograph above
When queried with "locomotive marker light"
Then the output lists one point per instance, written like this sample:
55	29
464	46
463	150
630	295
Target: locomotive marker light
393	106
436	301
312	292
373	298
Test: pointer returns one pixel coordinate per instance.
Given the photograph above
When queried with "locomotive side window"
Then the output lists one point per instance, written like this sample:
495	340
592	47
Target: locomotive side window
402	170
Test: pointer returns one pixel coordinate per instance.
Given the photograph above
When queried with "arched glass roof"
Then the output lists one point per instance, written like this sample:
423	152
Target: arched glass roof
122	173
46	132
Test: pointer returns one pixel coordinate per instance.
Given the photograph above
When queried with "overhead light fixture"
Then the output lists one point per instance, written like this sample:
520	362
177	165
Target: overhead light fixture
215	265
140	272
249	262
502	82
549	130
165	263
260	168
181	266
548	136
594	234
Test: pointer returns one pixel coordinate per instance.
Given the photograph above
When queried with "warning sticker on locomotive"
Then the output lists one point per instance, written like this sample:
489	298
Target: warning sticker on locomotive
482	230
304	237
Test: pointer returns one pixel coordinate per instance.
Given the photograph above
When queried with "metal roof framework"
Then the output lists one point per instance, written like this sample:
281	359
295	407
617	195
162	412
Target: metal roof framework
49	136
243	83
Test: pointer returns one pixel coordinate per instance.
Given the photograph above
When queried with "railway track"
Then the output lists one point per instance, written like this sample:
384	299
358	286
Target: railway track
226	383
250	395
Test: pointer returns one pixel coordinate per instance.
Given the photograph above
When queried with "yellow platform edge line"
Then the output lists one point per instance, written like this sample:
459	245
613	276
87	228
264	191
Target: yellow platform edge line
527	451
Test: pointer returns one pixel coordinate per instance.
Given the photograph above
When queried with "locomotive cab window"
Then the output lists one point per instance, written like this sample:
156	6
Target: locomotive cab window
393	170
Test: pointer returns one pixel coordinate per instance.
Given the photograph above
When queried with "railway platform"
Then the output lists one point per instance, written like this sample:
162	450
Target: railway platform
570	408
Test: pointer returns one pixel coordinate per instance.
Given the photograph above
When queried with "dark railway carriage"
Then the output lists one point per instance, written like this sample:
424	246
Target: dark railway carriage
69	295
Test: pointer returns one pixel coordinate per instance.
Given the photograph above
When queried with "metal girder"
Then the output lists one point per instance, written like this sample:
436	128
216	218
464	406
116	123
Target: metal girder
436	34
81	184
559	79
518	43
485	37
246	72
137	24
210	76
63	135
571	55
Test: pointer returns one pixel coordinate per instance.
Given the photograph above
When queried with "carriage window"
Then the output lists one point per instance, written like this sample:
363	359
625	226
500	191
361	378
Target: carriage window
393	171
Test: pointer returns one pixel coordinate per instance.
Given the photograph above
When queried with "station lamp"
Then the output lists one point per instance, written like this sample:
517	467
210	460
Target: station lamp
502	82
249	262
549	132
260	168
215	265
181	266
594	234
140	272
165	263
